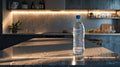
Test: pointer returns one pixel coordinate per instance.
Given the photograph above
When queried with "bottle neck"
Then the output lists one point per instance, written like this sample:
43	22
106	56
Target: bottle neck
78	20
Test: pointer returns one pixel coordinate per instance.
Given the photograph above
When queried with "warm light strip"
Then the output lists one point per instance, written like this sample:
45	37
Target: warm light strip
100	11
57	12
47	12
41	57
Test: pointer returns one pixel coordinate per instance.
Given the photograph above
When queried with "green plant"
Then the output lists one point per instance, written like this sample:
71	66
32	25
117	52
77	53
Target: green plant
91	31
15	26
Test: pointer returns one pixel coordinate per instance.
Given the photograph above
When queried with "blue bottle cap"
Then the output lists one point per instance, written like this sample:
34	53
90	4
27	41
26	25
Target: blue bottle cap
78	16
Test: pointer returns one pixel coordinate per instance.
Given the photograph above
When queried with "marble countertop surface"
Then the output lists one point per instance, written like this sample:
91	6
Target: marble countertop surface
55	51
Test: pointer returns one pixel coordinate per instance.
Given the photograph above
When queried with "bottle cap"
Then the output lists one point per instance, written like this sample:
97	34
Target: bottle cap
78	16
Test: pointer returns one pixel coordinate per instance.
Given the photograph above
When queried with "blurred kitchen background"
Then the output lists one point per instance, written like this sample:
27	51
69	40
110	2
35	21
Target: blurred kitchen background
56	19
33	23
26	17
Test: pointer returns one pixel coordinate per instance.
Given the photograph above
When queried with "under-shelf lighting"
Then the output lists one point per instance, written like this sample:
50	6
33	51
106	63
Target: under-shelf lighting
101	11
49	12
60	11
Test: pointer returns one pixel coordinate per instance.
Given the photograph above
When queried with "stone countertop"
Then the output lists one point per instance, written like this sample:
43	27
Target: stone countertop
55	51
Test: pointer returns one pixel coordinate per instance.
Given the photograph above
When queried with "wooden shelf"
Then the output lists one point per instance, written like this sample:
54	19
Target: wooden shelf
104	18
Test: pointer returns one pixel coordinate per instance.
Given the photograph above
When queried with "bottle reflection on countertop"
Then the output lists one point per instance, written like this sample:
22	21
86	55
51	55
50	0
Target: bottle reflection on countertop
78	60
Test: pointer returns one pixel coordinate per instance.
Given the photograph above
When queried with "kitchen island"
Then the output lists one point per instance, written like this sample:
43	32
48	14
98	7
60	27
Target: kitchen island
56	51
107	40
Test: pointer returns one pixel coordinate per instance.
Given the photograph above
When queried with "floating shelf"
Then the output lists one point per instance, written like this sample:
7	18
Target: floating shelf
104	18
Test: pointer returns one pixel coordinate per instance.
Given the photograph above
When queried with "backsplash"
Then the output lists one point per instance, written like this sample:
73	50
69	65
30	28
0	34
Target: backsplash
40	23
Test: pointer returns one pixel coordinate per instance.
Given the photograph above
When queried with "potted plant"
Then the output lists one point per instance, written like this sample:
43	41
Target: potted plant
15	27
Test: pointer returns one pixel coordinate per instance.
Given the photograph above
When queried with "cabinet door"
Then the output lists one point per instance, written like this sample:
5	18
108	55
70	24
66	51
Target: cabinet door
105	4
77	4
55	4
114	4
117	5
99	4
111	4
92	4
87	4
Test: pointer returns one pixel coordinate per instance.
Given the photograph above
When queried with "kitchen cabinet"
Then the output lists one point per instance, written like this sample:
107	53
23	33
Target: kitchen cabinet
93	4
25	4
71	4
98	4
116	4
77	4
55	4
36	4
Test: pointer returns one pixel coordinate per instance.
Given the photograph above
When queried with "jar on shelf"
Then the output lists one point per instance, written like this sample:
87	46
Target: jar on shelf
14	5
24	5
32	5
42	4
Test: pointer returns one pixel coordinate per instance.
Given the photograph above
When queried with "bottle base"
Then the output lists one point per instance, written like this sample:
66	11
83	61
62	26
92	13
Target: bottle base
78	50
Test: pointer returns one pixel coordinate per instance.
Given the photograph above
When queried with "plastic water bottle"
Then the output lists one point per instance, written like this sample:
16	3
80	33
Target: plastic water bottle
78	36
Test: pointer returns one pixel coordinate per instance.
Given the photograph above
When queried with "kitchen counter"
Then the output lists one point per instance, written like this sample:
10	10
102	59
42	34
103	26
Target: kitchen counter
61	34
56	51
108	40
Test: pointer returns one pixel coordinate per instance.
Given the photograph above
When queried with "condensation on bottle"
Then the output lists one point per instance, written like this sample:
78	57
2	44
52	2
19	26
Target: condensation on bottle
78	36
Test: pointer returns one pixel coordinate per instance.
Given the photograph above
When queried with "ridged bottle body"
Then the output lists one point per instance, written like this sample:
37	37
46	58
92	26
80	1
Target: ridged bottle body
78	37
